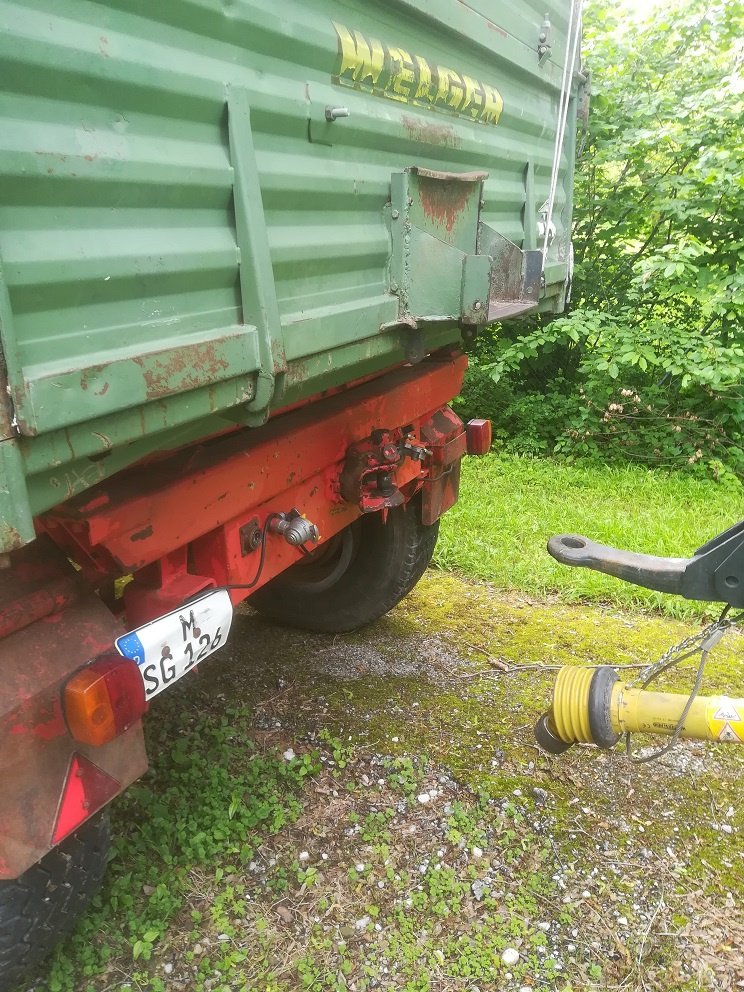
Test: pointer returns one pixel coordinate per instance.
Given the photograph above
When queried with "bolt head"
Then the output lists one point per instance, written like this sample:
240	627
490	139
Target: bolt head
477	305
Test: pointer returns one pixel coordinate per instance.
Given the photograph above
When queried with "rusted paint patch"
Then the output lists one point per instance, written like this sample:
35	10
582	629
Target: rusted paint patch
10	539
278	357
443	202
491	25
50	722
92	375
182	369
434	134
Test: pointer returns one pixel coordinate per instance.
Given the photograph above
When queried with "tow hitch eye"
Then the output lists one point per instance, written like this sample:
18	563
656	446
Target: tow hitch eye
591	705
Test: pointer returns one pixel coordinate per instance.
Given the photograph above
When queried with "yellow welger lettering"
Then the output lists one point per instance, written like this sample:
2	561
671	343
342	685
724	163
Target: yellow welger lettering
423	90
394	72
445	78
360	59
401	74
473	101
493	104
457	92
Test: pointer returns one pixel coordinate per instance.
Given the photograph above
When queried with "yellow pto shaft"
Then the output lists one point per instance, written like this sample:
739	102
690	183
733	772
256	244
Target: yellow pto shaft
591	706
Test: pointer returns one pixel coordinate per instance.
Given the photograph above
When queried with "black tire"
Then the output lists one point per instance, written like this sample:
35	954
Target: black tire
40	907
362	573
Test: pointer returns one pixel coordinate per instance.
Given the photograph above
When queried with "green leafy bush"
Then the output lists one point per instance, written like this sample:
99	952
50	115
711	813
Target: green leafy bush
648	365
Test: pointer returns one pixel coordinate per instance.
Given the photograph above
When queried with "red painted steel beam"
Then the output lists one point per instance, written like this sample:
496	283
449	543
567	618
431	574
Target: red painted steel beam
138	518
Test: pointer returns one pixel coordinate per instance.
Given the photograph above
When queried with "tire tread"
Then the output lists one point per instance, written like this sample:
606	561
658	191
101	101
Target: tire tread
44	903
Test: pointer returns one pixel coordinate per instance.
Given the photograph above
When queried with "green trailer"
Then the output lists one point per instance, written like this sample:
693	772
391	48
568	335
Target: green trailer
241	246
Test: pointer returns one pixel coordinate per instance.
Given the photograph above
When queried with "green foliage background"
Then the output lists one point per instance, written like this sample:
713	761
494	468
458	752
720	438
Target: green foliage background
646	364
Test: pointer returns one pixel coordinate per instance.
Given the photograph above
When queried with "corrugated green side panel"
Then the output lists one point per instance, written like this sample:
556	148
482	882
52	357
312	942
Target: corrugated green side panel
184	237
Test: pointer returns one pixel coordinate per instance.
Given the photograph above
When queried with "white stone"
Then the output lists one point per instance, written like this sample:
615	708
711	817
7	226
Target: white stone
289	754
424	798
304	855
168	968
477	852
510	956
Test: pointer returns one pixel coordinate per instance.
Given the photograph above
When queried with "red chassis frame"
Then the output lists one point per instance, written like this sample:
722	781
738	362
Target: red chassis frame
179	525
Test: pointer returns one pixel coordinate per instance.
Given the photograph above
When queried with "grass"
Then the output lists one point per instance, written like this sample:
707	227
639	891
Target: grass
509	506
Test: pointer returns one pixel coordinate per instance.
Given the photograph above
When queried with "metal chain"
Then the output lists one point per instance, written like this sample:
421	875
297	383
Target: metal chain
704	642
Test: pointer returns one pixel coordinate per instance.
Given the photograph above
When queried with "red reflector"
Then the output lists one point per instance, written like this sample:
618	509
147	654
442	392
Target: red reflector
479	436
87	789
104	699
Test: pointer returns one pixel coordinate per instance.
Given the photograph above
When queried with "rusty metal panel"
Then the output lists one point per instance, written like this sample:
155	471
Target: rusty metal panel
36	749
186	236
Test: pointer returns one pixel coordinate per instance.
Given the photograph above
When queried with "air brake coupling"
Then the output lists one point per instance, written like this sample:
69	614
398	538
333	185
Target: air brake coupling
591	706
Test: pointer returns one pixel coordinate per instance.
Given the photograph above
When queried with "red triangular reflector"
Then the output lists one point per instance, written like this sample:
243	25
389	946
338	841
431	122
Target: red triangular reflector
86	790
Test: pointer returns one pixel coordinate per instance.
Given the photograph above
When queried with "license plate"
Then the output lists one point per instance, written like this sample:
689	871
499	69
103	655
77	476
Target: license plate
167	648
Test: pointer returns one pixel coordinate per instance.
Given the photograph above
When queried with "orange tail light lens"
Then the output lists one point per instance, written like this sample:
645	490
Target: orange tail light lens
104	699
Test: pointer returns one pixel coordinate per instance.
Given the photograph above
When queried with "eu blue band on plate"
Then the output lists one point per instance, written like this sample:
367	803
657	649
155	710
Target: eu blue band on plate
130	646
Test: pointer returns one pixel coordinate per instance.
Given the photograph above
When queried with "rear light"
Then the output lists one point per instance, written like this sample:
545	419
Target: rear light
479	436
104	699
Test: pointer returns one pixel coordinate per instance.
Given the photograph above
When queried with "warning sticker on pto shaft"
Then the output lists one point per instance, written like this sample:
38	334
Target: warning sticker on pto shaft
725	719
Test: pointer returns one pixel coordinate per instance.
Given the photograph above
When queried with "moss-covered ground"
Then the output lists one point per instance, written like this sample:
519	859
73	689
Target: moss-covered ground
370	811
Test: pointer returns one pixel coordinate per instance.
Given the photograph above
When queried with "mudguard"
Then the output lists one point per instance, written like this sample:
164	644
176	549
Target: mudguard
51	623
